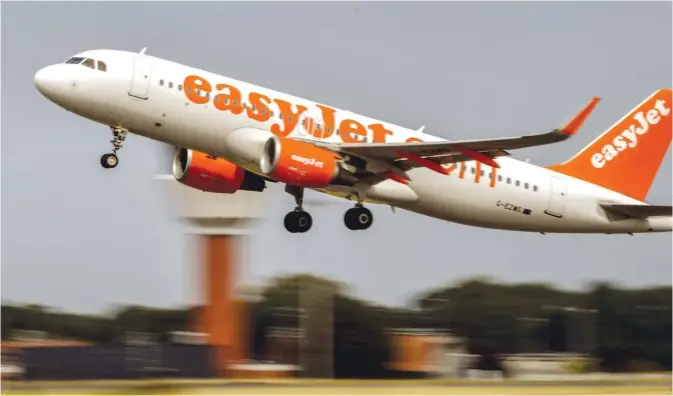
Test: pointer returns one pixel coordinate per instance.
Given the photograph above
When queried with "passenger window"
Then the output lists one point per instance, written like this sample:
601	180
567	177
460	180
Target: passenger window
90	63
525	186
161	82
482	173
509	180
180	87
170	85
517	183
102	66
473	171
280	116
499	178
329	129
245	105
534	188
289	119
263	110
188	90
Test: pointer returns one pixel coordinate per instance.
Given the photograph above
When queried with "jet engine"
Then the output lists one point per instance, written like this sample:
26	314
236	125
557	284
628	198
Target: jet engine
289	161
214	175
303	164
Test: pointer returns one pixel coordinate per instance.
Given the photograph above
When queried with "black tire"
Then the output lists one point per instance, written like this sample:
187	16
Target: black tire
298	221
358	219
109	161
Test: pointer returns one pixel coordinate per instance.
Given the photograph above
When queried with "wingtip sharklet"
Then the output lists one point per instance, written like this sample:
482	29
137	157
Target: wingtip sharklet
574	125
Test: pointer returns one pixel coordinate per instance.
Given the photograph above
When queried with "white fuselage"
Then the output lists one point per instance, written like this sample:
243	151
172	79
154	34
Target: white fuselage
554	202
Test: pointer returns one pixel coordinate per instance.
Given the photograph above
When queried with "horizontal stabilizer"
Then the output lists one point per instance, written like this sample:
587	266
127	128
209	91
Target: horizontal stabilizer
639	211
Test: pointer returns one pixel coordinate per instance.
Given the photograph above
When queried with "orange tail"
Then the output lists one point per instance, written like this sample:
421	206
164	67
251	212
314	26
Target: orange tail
627	156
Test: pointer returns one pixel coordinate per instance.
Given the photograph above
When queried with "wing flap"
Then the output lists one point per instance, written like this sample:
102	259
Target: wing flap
639	211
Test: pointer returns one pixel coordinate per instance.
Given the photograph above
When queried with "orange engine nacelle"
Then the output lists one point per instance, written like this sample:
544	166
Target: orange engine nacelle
215	175
301	164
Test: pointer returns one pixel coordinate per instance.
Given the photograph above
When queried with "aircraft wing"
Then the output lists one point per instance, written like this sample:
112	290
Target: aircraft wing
639	211
433	154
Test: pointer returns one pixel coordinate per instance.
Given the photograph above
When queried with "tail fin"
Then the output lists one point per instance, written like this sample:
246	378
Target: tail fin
627	156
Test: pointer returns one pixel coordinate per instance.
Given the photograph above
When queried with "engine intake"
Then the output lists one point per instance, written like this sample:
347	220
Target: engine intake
215	175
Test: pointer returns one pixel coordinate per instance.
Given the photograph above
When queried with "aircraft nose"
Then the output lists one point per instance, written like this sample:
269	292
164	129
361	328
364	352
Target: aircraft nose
44	77
50	81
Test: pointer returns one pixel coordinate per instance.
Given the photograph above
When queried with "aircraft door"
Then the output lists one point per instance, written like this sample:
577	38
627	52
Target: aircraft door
557	198
140	82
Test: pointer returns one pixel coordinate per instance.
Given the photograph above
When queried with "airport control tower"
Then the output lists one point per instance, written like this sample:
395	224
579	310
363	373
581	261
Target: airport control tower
220	221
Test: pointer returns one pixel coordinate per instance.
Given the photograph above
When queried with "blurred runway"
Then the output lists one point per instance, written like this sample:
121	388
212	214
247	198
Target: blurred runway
645	386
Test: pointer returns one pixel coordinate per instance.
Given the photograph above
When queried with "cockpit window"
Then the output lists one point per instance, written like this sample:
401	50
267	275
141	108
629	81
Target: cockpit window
74	61
90	63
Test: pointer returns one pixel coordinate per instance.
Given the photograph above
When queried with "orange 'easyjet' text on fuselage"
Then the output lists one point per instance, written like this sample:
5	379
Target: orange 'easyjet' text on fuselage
258	107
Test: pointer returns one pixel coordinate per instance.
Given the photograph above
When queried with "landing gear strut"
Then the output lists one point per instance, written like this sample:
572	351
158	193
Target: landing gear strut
297	221
110	160
358	218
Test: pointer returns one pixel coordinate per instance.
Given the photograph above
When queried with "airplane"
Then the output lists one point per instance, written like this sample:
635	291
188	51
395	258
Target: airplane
230	136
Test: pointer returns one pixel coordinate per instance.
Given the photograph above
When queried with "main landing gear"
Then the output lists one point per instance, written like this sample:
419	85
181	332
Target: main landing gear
111	160
358	218
300	221
297	221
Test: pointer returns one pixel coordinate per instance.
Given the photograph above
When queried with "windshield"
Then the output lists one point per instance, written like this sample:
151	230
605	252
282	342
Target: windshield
88	62
74	61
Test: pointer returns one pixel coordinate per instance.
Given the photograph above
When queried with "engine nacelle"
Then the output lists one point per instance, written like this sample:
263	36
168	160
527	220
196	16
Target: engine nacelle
214	175
288	161
302	164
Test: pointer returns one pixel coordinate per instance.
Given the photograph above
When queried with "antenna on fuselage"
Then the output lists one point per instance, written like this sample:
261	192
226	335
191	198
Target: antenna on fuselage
420	130
142	51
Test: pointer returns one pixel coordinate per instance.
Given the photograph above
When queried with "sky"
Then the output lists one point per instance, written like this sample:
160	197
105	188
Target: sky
85	239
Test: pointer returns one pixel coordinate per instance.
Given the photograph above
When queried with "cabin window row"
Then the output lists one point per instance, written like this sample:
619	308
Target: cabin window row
508	180
318	126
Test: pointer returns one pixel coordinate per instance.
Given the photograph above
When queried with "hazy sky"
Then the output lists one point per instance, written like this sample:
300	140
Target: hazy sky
83	238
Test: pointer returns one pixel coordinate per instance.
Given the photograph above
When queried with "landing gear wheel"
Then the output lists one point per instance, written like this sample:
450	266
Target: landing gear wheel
109	161
118	137
298	221
358	218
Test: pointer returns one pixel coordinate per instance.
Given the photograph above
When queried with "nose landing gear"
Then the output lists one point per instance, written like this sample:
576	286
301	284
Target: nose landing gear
111	160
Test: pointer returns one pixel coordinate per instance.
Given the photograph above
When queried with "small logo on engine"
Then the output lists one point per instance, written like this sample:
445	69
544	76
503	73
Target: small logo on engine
307	161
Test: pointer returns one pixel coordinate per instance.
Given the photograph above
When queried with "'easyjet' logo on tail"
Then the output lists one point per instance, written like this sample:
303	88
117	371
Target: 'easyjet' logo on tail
629	137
